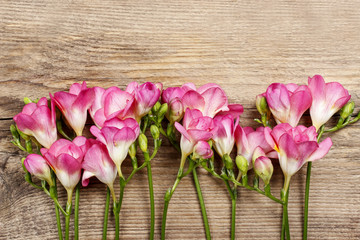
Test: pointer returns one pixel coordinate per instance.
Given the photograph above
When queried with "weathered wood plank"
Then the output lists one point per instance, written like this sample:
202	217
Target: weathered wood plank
241	45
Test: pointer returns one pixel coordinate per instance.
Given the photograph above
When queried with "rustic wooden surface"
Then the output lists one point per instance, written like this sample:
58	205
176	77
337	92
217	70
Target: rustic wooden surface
241	45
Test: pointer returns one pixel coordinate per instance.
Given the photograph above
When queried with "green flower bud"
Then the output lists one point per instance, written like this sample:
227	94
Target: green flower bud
27	100
261	105
156	107
228	162
242	164
162	111
347	110
155	133
132	150
15	133
143	142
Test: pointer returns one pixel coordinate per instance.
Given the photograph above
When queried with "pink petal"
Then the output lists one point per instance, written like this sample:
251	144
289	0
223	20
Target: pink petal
131	87
68	163
199	135
317	87
323	149
86	178
182	130
193	100
234	109
288	147
300	102
215	101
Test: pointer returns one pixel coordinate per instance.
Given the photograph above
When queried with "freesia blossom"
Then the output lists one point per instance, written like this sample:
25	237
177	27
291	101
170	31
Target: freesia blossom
74	105
65	158
288	102
247	140
195	128
209	99
39	121
223	133
327	99
295	147
117	135
202	150
110	103
146	95
98	163
263	168
37	165
173	97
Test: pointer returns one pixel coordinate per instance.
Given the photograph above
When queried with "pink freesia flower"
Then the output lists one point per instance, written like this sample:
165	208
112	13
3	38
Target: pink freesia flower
247	140
146	95
209	99
327	99
173	97
37	165
263	168
39	121
288	102
203	150
110	103
65	158
117	135
98	163
74	105
195	128
223	133
295	147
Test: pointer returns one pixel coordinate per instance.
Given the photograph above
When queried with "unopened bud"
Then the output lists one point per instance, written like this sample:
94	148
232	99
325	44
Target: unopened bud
242	164
156	107
143	142
27	100
132	150
347	110
162	111
155	133
15	133
261	105
263	168
228	162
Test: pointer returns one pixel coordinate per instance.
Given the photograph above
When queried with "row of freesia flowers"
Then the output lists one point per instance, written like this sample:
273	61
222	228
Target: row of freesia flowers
202	116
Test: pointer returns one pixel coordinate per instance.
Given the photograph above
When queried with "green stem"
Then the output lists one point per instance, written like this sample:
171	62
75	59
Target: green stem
307	190
117	221
202	204
76	218
163	226
285	230
233	216
152	205
306	207
167	199
233	196
107	204
117	208
57	212
67	217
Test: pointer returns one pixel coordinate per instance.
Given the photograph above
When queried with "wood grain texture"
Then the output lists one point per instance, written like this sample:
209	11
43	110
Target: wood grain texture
241	45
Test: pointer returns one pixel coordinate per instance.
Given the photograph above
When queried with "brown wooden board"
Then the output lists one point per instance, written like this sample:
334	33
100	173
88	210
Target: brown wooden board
244	46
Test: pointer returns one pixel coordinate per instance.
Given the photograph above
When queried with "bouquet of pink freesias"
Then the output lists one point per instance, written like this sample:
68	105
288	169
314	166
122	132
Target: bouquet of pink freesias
201	125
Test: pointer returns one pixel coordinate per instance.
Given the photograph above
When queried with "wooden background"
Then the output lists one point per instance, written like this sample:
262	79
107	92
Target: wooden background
45	46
